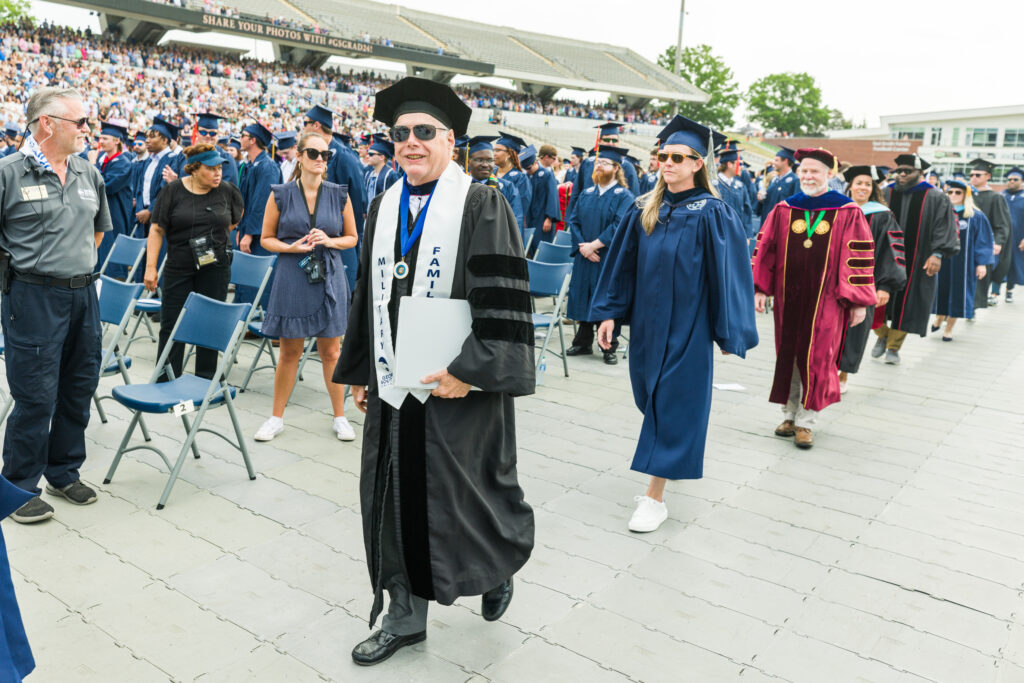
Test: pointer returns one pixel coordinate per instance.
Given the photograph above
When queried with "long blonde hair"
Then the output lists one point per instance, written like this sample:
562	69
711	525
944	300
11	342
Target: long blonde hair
651	202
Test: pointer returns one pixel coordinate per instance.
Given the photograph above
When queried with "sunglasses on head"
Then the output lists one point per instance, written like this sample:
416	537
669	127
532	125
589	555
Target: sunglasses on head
314	154
676	157
422	131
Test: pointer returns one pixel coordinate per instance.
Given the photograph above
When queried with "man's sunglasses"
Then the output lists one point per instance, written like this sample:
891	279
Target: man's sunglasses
676	157
977	174
207	132
78	122
314	154
422	131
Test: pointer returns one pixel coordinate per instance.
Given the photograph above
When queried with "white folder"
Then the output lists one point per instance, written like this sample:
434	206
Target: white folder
431	333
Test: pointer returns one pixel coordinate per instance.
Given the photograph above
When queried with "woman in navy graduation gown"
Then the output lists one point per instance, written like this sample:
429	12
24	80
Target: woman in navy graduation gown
678	271
954	294
16	660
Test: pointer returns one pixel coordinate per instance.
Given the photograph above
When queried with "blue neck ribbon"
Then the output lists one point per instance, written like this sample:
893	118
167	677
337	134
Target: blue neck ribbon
410	239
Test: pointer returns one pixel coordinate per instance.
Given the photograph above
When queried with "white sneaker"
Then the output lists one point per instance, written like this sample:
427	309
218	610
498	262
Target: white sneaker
842	387
343	429
649	514
269	429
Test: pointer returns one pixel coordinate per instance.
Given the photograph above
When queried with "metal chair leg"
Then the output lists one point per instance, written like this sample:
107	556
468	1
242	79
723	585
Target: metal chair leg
120	449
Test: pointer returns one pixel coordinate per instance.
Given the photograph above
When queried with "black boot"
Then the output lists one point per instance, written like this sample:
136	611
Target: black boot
494	602
382	645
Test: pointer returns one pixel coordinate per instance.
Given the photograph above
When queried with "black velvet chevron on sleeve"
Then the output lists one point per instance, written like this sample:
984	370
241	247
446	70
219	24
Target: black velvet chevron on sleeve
515	331
501	298
498	265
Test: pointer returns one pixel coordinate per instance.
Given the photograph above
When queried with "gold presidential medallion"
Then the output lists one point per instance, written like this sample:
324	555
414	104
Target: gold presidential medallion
822	228
799	226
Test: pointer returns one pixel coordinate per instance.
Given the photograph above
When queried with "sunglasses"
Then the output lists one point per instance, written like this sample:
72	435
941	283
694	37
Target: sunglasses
207	132
78	122
977	174
676	157
422	131
954	191
309	122
314	154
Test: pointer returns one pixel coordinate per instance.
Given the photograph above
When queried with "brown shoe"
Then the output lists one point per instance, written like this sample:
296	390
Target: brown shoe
803	439
787	428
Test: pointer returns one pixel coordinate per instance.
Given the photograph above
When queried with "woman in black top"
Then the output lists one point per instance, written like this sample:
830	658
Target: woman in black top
195	213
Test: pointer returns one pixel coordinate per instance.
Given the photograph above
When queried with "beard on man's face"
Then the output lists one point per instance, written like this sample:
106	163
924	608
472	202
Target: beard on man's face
603	176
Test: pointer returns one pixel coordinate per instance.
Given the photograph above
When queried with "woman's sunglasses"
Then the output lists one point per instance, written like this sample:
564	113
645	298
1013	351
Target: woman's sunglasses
676	157
422	131
314	154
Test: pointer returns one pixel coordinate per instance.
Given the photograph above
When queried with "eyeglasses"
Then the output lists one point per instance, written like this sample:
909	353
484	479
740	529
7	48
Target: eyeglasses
952	192
422	131
314	154
676	157
78	122
977	174
207	132
604	162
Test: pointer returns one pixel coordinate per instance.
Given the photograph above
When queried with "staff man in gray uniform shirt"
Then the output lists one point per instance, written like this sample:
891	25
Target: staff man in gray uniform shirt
53	213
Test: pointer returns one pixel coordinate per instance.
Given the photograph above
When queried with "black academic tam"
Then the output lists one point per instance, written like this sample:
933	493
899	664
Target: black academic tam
422	96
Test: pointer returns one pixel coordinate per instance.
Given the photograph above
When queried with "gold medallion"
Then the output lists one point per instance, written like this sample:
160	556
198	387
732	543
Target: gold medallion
808	243
822	228
799	226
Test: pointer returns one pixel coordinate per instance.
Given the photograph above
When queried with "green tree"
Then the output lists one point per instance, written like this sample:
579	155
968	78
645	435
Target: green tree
788	103
836	120
12	10
709	73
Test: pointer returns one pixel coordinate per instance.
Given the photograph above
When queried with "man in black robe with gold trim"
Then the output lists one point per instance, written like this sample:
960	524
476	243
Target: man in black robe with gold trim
443	513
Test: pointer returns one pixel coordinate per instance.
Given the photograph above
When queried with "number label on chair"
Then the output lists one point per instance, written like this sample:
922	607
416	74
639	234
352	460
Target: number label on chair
183	408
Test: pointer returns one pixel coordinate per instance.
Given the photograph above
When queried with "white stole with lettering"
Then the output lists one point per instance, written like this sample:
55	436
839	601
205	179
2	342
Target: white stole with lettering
436	252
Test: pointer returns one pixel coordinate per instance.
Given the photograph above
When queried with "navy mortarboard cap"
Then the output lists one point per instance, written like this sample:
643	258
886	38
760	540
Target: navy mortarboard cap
958	175
511	142
592	153
365	139
321	115
870	171
113	130
527	156
1015	171
786	153
818	154
224	140
982	165
208	120
382	145
140	137
165	128
260	132
481	143
286	140
682	131
461	141
580	152
728	152
610	128
911	161
413	95
12	130
632	159
612	153
957	183
235	142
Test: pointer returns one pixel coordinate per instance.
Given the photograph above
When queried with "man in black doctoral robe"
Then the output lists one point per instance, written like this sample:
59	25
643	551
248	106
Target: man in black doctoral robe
997	211
929	235
443	513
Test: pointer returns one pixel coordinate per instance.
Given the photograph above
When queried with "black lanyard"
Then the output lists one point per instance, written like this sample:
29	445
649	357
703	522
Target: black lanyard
316	204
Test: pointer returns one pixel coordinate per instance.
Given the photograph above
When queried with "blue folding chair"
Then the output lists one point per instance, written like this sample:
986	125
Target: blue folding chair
563	238
117	301
9	401
553	253
550	279
126	252
203	322
528	239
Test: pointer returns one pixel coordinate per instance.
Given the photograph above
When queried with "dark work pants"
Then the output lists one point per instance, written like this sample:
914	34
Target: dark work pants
211	281
585	335
53	349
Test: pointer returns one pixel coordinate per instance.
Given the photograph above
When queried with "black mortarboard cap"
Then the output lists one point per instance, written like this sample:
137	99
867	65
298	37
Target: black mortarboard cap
422	96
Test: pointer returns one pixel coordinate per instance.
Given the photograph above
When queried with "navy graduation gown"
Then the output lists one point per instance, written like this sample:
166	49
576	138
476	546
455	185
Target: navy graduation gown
1016	203
521	181
375	184
703	293
544	204
570	175
259	175
594	217
957	281
345	169
781	188
16	659
735	195
117	184
511	195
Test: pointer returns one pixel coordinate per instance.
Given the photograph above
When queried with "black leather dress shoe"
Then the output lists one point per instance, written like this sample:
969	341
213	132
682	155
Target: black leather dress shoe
494	602
382	645
579	351
610	358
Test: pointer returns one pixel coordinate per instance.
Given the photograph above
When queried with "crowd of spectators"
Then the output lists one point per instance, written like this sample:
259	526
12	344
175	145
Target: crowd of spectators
134	82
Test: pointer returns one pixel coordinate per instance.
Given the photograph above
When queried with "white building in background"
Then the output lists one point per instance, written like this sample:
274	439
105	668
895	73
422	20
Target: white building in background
951	139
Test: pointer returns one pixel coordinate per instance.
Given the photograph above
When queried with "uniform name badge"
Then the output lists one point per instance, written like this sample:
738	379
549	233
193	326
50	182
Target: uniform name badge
33	193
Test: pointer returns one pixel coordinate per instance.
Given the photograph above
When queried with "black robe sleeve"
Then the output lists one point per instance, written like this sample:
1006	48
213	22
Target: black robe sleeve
498	354
890	271
355	364
999	218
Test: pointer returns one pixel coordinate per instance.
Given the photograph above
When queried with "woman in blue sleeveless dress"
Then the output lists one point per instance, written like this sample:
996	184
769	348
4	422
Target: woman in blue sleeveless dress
308	221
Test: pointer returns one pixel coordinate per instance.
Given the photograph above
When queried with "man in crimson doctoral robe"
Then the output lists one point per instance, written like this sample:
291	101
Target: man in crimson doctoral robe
815	255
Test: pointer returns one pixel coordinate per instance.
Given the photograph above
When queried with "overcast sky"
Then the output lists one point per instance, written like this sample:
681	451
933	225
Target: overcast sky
870	57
